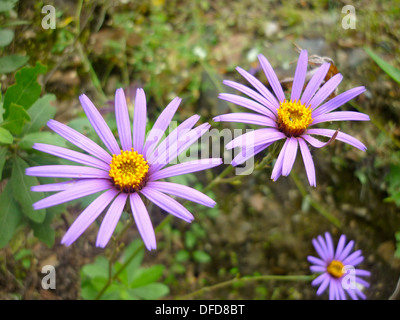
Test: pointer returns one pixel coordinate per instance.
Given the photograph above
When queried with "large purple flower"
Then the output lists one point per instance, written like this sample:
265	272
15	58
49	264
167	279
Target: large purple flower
126	173
337	268
289	119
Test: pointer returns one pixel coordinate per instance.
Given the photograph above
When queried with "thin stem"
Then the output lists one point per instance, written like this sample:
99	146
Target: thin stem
248	279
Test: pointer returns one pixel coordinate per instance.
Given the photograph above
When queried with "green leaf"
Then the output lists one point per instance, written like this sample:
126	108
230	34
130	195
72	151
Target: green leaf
390	70
98	269
201	256
10	215
151	292
3	154
6	36
44	231
26	89
7	5
16	119
12	62
48	137
5	136
144	276
21	185
40	112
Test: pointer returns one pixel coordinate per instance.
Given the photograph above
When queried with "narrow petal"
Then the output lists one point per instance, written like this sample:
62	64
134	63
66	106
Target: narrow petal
181	145
182	191
270	104
320	250
290	156
167	203
159	127
340	291
59	186
247	153
272	78
183	128
250	118
340	136
316	143
308	162
185	167
87	217
64	171
123	122
317	269
346	251
260	87
79	140
363	282
340	246
326	90
316	261
247	103
71	155
360	294
329	245
139	121
319	279
314	83
256	138
99	124
324	285
333	290
84	188
352	294
362	273
341	116
338	101
143	222
299	75
277	170
110	220
324	247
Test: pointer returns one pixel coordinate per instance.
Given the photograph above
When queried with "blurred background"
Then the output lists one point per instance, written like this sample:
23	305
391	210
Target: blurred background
186	49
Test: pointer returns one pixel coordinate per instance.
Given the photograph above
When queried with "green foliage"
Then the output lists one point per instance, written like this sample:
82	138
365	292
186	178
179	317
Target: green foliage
393	180
134	281
390	70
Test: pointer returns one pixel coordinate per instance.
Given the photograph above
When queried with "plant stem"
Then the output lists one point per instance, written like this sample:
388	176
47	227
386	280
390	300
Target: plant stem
248	279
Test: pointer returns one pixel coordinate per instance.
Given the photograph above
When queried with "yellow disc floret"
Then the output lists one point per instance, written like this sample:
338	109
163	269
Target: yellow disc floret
336	269
128	170
293	118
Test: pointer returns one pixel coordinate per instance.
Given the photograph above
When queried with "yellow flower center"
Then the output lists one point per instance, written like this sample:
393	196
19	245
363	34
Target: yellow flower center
293	118
128	170
336	269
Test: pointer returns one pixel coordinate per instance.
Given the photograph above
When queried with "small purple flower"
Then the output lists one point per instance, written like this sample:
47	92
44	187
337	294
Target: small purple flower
126	173
291	119
337	269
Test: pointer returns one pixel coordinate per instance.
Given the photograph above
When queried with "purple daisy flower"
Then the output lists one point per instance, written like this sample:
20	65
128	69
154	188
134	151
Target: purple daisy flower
289	120
126	173
337	269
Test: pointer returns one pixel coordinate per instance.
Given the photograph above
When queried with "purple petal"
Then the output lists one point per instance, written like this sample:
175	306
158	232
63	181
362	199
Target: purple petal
316	261
123	122
308	162
79	140
72	155
320	250
178	147
346	251
185	167
172	138
290	156
317	269
340	136
277	170
319	279
182	191
247	103
338	101
341	116
270	104
333	290
272	78
363	282
324	285
314	83
60	186
299	75
352	294
260	87
158	130
316	143
256	138
350	258
340	246
99	125
143	222
251	118
139	121
329	245
167	203
84	188
110	220
362	273
64	171
87	217
360	294
325	90
247	153
341	294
